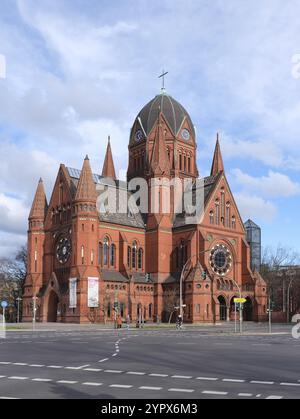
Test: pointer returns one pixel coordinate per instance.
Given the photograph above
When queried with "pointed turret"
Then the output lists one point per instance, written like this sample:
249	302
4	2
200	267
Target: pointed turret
160	163
108	166
218	165
86	190
39	205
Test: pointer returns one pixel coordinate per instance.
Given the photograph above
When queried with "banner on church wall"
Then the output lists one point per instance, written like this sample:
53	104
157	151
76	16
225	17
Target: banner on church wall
73	293
93	292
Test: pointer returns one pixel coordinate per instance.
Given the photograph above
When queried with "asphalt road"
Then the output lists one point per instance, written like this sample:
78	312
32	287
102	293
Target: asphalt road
149	364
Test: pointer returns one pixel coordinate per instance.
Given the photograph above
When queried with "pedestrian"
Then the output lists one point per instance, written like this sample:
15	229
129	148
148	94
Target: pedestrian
119	320
128	321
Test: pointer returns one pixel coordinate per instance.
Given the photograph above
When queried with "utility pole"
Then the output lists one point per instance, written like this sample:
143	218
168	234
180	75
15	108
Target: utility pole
34	312
270	315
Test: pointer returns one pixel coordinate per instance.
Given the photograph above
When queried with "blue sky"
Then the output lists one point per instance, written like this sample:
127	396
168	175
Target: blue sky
78	71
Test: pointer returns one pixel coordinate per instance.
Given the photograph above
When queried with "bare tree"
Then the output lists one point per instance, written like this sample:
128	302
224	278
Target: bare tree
171	301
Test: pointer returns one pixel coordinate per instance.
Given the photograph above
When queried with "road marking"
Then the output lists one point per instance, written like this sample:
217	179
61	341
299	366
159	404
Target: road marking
150	388
2	376
103	360
207	379
5	363
120	386
18	378
290	384
93	369
229	380
113	371
185	377
20	364
135	373
57	367
245	395
42	380
215	393
92	384
8	398
159	375
181	390
274	398
267	383
66	382
36	366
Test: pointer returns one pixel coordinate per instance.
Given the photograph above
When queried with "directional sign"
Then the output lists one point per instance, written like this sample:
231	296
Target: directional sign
240	300
4	304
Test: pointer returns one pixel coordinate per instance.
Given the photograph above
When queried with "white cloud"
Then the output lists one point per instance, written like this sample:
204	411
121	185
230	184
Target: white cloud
275	185
13	215
255	207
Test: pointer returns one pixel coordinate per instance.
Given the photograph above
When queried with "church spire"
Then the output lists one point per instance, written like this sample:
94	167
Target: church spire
39	205
108	166
160	163
86	190
217	165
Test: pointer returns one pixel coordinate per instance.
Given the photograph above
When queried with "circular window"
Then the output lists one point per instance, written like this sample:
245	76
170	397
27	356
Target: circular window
185	134
220	259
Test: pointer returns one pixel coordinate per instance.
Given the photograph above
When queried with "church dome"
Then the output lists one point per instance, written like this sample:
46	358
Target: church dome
172	110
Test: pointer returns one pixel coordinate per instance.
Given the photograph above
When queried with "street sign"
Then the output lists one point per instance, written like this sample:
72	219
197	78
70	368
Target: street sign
240	300
4	304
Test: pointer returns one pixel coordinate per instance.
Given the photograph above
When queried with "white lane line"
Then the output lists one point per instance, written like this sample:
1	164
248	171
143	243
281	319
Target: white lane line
245	395
66	382
274	398
36	365
5	363
207	379
8	398
57	367
120	386
290	384
266	383
230	380
159	375
184	377
114	354
2	376
20	364
93	384
181	390
93	369
18	378
113	371
135	373
215	393
103	360
150	388
42	380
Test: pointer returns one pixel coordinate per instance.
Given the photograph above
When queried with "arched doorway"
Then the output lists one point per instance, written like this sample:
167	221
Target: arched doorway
223	308
53	301
248	310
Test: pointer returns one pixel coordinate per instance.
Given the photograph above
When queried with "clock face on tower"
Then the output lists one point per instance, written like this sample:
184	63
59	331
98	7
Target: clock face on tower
139	136
63	250
185	134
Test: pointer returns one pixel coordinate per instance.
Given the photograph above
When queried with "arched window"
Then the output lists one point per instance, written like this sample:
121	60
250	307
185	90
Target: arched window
233	222
100	250
183	254
134	253
189	164
211	217
112	255
150	311
228	215
217	205
140	259
222	203
180	162
82	255
105	251
129	256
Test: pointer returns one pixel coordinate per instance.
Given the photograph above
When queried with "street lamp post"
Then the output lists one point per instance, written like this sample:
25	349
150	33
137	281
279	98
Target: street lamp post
34	312
288	299
19	299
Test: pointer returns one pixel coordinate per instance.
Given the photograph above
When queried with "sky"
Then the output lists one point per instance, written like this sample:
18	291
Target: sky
73	72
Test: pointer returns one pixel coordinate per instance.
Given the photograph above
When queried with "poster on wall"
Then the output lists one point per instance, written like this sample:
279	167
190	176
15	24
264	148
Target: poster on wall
73	293
93	292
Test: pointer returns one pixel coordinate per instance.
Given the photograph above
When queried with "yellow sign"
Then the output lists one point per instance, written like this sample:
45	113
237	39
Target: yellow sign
240	300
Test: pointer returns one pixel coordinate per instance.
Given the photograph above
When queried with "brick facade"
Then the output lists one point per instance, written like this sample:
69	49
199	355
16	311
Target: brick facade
138	258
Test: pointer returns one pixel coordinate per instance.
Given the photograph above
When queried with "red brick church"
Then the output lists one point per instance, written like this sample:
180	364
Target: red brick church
86	265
